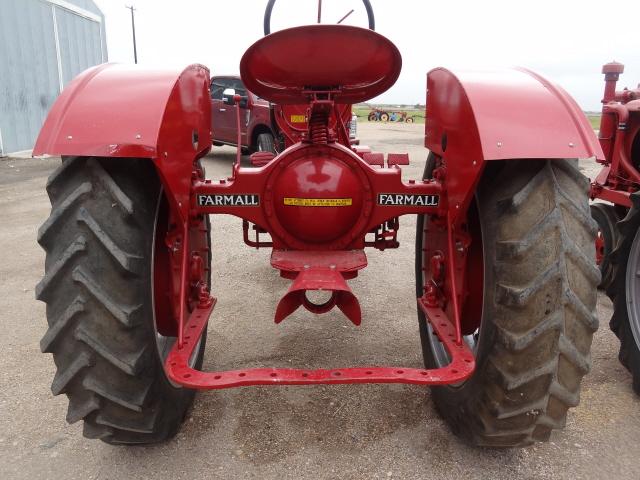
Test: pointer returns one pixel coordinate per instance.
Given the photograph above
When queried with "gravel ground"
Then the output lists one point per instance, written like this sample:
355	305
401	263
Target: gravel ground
358	431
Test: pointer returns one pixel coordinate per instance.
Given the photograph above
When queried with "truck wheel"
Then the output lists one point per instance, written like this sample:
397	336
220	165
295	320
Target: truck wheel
265	143
606	218
105	254
529	310
624	291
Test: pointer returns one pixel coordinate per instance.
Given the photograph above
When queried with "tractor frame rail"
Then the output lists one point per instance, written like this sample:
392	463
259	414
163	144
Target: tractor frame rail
178	370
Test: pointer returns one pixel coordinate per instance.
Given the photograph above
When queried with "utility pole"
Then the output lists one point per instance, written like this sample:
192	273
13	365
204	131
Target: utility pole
133	28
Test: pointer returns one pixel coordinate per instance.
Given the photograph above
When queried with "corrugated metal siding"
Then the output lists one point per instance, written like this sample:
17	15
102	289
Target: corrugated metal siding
30	79
79	43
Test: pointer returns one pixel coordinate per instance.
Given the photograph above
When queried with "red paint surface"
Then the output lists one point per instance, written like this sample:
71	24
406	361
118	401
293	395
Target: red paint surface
460	368
358	62
125	111
323	178
619	136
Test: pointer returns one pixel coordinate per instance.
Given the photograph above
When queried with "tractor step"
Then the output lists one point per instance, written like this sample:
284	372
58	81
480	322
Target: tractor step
178	370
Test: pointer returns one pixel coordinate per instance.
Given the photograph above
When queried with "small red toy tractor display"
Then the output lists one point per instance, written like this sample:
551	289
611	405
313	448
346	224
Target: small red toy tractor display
618	242
505	281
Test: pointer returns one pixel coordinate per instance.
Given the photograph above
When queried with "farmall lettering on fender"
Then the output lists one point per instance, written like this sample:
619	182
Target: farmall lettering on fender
415	200
245	200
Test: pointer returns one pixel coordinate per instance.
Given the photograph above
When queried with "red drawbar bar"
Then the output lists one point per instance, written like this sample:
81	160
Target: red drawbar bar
178	370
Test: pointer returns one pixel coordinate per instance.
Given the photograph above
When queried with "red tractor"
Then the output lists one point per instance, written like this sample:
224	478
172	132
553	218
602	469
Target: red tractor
618	242
505	282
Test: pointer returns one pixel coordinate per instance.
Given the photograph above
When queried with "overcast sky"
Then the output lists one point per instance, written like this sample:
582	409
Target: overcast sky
568	41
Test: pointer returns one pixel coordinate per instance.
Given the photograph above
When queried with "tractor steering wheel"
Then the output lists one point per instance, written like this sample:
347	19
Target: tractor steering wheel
367	6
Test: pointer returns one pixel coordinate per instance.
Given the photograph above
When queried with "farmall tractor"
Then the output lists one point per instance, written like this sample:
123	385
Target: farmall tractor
378	115
618	242
504	273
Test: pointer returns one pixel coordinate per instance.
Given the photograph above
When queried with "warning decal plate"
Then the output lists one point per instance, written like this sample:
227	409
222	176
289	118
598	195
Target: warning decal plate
318	202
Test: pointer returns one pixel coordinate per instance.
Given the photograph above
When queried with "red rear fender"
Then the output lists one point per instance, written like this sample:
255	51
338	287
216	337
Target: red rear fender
474	117
127	111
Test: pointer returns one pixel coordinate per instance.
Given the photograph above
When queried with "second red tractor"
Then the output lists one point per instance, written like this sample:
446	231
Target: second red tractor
618	243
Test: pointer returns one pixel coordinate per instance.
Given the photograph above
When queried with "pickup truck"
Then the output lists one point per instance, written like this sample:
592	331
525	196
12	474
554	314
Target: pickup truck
260	130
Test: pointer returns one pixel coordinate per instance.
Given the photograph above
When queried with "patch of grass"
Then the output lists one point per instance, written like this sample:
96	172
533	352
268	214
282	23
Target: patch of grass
595	121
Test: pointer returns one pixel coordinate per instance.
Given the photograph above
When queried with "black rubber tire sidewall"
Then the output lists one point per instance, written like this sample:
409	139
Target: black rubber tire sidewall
265	143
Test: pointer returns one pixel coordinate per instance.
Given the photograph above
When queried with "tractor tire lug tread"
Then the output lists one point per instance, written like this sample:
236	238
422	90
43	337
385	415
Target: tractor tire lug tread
130	363
124	314
59	325
539	308
128	262
65	374
81	406
61	212
520	341
97	287
77	246
121	199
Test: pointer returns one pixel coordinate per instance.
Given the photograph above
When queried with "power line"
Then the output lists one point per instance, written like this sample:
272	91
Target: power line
133	28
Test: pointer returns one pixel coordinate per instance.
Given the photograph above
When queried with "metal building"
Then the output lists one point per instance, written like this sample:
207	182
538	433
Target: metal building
44	44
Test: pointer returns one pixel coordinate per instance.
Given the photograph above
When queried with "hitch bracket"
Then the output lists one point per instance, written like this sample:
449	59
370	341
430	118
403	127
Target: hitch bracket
178	370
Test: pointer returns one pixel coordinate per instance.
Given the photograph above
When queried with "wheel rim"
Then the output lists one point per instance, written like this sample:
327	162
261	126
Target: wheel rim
601	249
632	287
159	268
440	354
434	240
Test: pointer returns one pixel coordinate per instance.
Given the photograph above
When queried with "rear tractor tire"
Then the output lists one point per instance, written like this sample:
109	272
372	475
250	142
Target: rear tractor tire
99	290
624	290
537	300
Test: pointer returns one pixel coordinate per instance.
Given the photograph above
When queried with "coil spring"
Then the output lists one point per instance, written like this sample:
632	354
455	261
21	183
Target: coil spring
318	127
